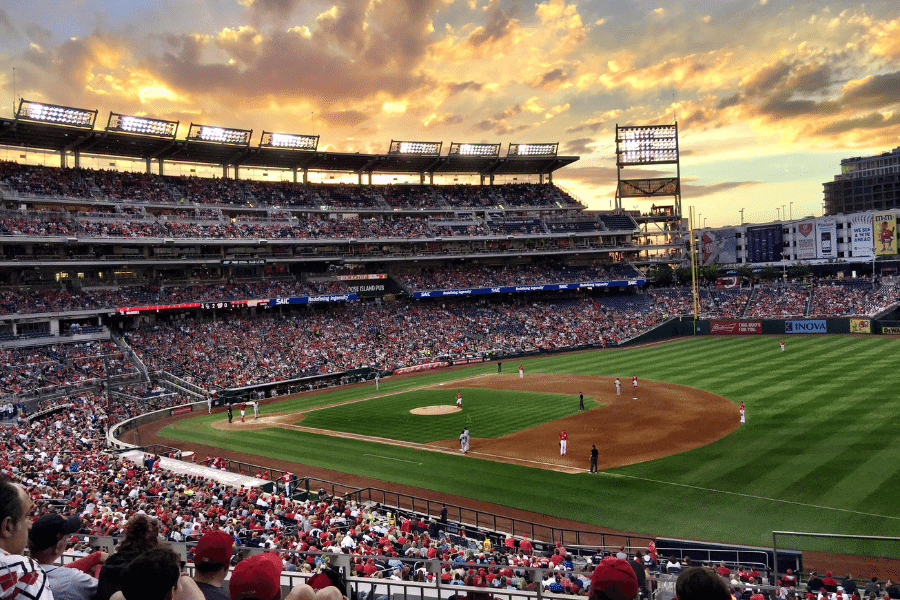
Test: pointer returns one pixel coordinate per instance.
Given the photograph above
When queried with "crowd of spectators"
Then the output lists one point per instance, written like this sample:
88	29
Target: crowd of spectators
47	367
131	187
43	301
777	301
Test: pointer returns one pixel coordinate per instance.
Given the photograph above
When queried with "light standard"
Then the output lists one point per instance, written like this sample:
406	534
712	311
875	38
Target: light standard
742	216
777	214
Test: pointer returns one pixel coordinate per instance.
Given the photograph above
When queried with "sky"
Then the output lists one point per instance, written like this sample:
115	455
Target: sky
768	95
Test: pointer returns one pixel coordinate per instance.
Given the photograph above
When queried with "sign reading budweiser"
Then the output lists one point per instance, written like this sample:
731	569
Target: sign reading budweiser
735	327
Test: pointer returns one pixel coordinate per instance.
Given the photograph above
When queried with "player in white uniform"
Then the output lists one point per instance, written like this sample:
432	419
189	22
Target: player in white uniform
618	387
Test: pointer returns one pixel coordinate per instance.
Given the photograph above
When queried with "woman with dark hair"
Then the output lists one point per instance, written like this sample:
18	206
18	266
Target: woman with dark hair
141	535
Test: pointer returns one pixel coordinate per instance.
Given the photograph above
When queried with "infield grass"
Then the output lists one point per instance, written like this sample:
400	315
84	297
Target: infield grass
818	453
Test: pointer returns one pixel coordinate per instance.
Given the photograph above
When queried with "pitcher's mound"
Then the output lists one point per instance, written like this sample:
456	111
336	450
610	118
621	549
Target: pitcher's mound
442	409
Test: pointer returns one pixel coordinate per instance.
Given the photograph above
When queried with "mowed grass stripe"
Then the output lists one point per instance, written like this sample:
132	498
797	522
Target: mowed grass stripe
817	445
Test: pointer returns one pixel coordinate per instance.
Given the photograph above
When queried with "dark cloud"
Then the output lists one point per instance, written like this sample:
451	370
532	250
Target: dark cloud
592	126
6	26
811	79
733	100
343	118
876	92
286	64
281	10
768	79
550	79
691	190
577	147
464	86
485	125
870	121
782	106
499	25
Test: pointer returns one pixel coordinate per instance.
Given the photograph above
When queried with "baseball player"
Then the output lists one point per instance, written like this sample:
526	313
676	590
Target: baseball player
634	381
209	404
563	440
743	420
618	387
782	345
521	371
580	400
256	409
377	380
458	400
243	408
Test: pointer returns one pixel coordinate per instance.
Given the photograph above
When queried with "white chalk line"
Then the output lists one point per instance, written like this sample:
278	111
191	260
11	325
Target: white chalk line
751	496
392	458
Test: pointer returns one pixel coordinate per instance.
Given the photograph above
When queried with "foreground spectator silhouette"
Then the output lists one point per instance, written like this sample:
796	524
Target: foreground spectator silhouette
20	576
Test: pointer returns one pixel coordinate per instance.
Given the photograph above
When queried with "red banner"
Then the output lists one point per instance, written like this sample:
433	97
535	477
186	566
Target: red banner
735	327
425	367
181	410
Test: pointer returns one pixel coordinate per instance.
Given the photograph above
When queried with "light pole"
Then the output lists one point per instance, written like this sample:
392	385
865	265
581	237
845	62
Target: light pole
742	216
777	214
783	270
704	222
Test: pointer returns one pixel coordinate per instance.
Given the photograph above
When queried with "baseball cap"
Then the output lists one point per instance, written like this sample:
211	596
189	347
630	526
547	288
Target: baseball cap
49	529
214	547
257	577
615	578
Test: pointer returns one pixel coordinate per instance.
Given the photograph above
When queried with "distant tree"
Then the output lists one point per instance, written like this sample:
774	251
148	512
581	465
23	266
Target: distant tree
709	273
798	271
683	275
769	273
662	275
745	272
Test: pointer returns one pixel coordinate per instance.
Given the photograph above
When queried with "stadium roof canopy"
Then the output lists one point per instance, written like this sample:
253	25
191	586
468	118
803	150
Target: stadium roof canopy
78	140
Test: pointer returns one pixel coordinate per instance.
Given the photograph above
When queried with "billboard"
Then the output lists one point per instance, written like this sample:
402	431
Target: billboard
764	244
861	236
826	237
735	327
860	326
885	233
807	326
718	247
806	240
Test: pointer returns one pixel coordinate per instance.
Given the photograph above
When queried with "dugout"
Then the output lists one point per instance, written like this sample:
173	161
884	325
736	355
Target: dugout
763	559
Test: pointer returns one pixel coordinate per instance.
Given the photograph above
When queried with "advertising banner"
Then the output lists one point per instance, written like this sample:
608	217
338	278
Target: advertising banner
718	247
861	236
735	327
811	326
885	233
890	330
826	237
860	326
806	240
509	289
764	244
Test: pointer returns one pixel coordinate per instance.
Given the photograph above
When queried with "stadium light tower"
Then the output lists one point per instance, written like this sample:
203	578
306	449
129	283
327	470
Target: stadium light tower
479	150
415	148
644	145
58	115
288	141
533	149
142	125
220	135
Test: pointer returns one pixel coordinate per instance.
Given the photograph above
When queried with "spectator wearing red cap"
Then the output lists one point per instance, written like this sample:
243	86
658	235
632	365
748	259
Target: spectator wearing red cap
830	583
614	579
212	560
697	583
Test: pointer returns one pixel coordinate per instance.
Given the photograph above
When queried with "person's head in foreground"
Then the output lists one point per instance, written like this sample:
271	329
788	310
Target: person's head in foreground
697	583
614	579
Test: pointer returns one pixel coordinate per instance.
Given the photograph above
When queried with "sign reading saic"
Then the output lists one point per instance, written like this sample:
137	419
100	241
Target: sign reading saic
816	326
735	327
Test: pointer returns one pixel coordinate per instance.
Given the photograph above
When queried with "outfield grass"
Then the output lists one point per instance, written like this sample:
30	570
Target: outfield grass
817	453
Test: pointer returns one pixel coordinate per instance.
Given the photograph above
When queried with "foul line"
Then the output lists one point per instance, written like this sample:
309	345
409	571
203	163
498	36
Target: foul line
751	496
392	458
